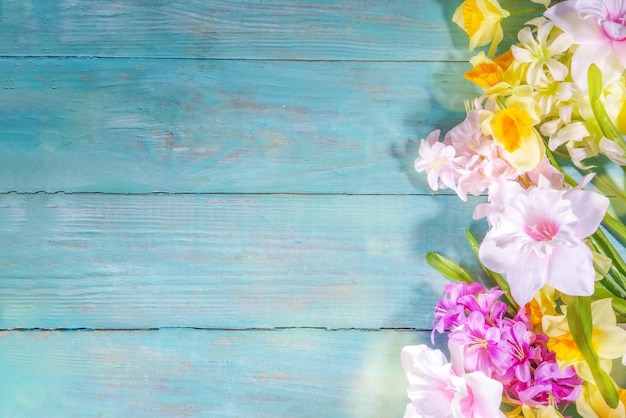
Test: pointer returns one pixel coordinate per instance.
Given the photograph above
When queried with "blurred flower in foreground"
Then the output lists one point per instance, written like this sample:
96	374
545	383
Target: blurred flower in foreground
441	389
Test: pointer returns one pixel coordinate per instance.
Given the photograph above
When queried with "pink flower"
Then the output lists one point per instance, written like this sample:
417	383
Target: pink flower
481	344
441	389
599	27
466	161
451	308
536	237
521	350
550	384
437	159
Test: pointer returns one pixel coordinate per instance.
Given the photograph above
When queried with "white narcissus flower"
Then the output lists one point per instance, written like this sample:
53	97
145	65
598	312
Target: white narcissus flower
541	54
536	237
441	389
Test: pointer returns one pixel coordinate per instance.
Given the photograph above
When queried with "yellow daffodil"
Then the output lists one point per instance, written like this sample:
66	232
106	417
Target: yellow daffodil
543	303
513	127
541	411
591	404
607	339
495	76
485	72
480	19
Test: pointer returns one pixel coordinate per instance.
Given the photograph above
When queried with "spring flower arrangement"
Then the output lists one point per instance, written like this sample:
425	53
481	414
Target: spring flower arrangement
540	332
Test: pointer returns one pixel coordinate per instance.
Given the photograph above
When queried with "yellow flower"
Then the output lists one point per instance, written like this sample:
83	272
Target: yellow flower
541	411
608	339
591	404
487	72
480	19
543	303
513	128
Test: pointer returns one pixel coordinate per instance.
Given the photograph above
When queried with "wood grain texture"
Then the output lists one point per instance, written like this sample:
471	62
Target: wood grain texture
248	29
118	261
293	224
184	373
219	126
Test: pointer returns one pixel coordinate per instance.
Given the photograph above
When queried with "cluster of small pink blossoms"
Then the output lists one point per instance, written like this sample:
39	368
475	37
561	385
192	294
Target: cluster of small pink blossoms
503	348
466	161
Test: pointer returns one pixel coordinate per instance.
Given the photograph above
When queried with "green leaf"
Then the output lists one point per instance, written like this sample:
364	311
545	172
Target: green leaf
448	268
617	228
581	327
604	247
594	80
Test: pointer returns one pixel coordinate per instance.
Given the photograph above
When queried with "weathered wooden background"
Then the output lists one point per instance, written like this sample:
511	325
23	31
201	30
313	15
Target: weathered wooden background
209	208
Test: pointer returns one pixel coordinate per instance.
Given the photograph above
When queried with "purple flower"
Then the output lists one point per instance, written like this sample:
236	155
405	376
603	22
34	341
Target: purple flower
522	352
451	309
481	344
548	384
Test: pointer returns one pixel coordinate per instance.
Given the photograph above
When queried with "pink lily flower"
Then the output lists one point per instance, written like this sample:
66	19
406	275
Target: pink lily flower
599	29
441	389
536	237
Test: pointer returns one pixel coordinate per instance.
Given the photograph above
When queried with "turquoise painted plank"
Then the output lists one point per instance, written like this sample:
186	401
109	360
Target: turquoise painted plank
248	29
129	125
124	261
191	373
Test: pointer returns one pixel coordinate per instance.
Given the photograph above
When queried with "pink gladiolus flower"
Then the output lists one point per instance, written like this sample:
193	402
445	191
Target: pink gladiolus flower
442	389
536	237
599	27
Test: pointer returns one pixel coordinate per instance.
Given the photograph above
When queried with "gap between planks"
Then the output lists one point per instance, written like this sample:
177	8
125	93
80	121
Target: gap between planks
224	329
175	58
159	193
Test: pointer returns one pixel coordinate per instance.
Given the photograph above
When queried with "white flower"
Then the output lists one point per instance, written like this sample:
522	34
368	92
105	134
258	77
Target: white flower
541	54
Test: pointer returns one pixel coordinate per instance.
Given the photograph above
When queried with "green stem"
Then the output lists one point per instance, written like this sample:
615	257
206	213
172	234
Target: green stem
621	195
581	327
604	246
525	11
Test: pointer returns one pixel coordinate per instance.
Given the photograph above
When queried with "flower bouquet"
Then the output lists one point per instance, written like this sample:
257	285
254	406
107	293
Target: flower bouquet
540	332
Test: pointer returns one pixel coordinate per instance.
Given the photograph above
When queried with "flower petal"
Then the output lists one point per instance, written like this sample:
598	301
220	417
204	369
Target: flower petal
589	207
571	270
565	16
486	395
527	277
